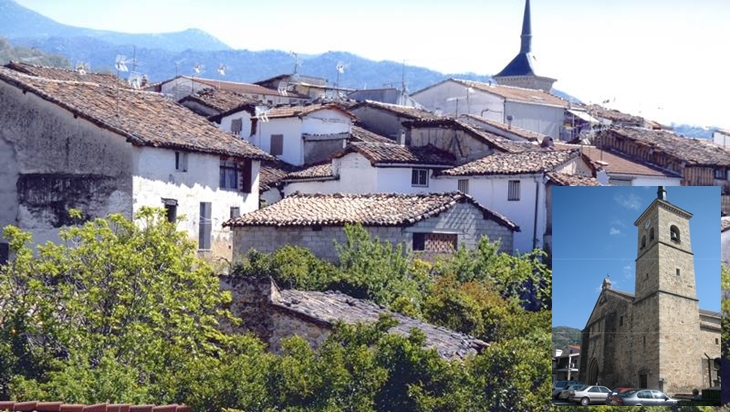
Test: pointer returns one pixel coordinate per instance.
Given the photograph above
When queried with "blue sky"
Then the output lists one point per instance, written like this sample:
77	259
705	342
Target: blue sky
594	235
647	57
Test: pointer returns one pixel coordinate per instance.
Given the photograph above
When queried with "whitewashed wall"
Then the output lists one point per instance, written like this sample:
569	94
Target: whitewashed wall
326	121
291	128
245	123
445	97
155	178
538	118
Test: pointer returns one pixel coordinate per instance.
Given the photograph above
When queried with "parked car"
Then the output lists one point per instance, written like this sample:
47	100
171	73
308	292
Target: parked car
645	397
611	398
589	394
566	391
559	385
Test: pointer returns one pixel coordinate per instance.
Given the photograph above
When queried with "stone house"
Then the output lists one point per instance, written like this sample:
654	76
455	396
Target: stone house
107	149
364	167
657	337
274	314
698	162
387	119
534	110
514	184
301	135
428	224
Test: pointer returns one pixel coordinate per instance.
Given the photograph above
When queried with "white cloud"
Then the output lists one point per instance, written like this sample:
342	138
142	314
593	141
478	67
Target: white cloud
618	222
614	232
630	202
628	271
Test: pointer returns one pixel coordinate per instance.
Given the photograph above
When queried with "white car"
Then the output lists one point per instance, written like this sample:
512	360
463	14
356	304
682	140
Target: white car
589	394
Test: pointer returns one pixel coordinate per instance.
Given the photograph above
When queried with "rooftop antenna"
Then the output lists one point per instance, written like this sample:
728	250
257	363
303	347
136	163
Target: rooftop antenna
221	72
120	63
404	90
198	69
297	63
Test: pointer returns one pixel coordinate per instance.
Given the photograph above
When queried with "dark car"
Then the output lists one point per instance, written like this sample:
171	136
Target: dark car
611	398
644	397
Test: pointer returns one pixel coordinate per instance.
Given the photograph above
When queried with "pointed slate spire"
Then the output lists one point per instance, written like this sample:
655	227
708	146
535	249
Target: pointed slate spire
661	193
526	36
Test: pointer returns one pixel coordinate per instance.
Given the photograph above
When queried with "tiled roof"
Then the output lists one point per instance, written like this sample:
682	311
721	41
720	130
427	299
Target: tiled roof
613	163
220	100
379	209
358	134
524	133
320	171
392	153
241	88
498	142
614	115
518	94
534	161
143	118
692	151
402	111
302	110
272	172
331	307
29	406
57	73
564	179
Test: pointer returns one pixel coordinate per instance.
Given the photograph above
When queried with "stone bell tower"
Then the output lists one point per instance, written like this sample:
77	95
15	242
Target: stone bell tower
666	324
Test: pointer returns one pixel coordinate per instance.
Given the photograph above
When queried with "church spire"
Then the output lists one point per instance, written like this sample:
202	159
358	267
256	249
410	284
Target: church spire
661	192
526	36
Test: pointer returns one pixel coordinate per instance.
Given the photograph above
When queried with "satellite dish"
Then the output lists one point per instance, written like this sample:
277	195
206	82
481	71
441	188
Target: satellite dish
261	113
82	68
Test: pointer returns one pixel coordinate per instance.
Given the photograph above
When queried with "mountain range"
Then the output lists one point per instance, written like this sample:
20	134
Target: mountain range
162	56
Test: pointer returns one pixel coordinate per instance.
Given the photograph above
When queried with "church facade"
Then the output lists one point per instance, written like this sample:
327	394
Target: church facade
658	337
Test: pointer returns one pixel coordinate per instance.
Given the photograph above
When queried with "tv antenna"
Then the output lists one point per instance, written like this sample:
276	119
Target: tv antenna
297	61
198	69
222	69
120	63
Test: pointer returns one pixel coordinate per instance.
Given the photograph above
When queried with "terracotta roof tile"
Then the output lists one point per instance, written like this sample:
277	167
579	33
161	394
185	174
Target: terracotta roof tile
724	224
320	171
614	163
143	118
524	133
241	88
367	209
564	179
392	153
516	93
534	161
331	307
692	151
358	134
220	100
614	115
411	113
302	110
57	73
272	172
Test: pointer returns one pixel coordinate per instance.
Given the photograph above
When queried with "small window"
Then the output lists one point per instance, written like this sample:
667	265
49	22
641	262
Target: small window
463	185
720	174
205	226
651	234
181	161
717	341
621	321
674	234
229	175
236	126
513	190
677	271
643	241
254	125
419	241
647	276
170	209
419	177
235	212
277	145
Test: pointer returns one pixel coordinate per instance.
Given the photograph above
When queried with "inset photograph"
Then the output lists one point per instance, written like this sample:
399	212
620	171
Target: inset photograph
636	295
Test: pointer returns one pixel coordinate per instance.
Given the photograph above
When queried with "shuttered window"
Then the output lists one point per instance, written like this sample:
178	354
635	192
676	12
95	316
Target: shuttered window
513	190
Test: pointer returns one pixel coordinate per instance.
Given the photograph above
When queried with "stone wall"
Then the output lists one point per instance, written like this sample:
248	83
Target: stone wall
679	344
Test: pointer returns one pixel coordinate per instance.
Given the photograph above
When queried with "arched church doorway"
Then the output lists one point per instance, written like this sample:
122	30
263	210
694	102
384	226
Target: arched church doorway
593	372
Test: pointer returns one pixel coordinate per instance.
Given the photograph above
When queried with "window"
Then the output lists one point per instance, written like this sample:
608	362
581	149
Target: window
513	190
170	209
621	321
674	234
651	234
677	271
254	125
720	174
419	241
247	176
643	241
181	161
229	175
4	253
277	144
717	341
435	242
235	212
236	126
463	185
205	226
419	177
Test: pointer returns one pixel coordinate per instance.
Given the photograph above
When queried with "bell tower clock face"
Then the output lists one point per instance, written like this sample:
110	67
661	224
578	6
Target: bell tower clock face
647	224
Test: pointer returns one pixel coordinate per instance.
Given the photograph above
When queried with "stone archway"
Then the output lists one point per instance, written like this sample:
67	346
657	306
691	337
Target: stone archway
592	372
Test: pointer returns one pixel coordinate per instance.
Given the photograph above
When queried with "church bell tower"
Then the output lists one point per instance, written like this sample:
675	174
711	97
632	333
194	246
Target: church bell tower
666	334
